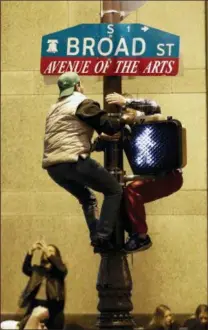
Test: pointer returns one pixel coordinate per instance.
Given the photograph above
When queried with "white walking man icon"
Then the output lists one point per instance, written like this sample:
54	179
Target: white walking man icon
52	47
144	143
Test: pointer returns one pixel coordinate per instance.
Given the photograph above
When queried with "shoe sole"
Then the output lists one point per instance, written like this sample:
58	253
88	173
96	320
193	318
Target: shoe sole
146	247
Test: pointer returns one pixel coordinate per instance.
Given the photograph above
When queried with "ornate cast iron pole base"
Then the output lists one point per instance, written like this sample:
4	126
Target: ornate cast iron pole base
114	287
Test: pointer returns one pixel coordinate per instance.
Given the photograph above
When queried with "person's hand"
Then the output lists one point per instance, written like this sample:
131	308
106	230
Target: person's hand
129	117
115	98
41	313
106	137
34	247
43	246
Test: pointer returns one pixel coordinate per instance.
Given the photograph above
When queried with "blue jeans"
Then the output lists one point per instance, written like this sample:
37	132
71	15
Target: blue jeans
76	178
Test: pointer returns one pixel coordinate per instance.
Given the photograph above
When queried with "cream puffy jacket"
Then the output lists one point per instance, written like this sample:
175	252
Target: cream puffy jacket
66	136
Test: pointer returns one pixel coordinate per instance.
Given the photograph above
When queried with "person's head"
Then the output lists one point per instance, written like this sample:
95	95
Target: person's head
23	326
162	316
68	83
201	313
35	320
53	250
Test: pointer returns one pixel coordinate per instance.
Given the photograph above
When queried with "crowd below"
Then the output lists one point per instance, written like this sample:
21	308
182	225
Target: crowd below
162	319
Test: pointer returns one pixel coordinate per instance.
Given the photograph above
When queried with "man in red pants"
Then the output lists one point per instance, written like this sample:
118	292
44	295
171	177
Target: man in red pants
140	192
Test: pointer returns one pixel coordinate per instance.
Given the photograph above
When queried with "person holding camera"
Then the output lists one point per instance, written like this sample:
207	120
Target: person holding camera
46	286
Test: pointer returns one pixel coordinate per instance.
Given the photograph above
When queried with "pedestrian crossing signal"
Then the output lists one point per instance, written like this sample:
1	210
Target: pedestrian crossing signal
157	147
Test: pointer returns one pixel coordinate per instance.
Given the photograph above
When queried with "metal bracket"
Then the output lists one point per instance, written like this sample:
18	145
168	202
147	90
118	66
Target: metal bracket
103	12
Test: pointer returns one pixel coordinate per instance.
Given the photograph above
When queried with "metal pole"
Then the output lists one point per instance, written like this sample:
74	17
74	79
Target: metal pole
113	156
114	283
206	50
206	44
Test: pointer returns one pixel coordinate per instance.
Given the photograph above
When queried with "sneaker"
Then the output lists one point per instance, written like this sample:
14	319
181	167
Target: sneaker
101	245
136	243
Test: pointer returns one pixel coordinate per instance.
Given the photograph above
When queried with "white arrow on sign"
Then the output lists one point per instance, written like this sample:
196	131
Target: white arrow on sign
145	28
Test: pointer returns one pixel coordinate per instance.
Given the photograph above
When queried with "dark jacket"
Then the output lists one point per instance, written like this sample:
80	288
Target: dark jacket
194	324
173	326
54	280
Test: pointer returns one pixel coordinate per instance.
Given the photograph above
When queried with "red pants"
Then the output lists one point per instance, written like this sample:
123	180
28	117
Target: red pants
137	193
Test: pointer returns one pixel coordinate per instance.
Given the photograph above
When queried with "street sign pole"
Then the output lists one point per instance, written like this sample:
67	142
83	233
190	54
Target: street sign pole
114	283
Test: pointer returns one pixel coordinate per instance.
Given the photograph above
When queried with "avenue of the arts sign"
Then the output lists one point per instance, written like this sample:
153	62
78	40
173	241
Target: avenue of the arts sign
111	49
